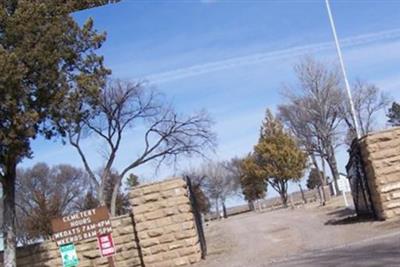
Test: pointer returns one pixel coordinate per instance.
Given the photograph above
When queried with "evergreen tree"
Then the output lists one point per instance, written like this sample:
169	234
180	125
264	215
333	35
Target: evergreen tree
314	180
394	114
253	186
47	66
203	203
278	157
89	201
132	180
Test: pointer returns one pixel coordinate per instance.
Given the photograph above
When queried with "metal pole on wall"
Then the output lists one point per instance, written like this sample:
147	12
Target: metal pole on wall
346	82
111	261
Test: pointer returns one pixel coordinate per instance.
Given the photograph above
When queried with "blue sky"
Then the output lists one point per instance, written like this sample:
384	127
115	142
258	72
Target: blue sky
232	58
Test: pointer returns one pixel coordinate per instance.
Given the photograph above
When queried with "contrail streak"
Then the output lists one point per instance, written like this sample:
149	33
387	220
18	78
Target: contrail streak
268	56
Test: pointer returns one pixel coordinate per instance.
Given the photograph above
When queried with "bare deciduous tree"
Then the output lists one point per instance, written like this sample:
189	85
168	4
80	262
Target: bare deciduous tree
90	201
167	135
220	183
197	178
319	97
295	117
45	193
368	101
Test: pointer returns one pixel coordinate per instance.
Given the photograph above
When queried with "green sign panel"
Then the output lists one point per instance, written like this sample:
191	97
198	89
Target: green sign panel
68	255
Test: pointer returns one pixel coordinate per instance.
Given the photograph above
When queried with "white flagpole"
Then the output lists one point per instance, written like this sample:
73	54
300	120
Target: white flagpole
339	52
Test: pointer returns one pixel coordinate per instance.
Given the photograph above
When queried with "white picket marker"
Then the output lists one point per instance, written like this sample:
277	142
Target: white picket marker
345	198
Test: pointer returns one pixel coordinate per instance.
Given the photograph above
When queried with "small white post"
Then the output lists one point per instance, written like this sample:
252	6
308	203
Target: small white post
334	189
345	198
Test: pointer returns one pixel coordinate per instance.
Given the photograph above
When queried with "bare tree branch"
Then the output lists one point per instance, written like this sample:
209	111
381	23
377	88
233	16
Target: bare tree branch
313	110
167	135
368	101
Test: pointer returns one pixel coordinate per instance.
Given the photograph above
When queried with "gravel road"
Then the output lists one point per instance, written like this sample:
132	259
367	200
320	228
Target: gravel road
375	252
269	238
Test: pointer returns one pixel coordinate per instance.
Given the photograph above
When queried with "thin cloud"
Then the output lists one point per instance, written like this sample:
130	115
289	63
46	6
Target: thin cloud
296	51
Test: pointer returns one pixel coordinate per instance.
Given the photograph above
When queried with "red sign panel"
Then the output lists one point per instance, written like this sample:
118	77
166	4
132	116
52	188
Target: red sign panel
106	245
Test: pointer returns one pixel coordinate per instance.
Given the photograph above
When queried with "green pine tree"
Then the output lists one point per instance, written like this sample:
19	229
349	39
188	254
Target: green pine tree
132	180
314	180
278	157
394	114
48	65
253	186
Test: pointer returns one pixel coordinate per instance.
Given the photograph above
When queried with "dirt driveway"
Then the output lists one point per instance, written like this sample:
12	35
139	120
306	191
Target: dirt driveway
263	239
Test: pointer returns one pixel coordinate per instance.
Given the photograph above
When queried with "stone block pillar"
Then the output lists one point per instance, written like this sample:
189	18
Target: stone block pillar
381	156
165	224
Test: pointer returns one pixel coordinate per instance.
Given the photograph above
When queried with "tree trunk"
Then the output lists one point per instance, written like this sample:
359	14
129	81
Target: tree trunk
251	205
284	199
280	186
114	196
333	166
283	193
319	194
9	215
224	209
322	179
100	194
217	208
324	171
327	197
302	194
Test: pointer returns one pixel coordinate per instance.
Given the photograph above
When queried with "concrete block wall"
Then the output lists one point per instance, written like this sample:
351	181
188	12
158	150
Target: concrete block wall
165	223
161	233
381	156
